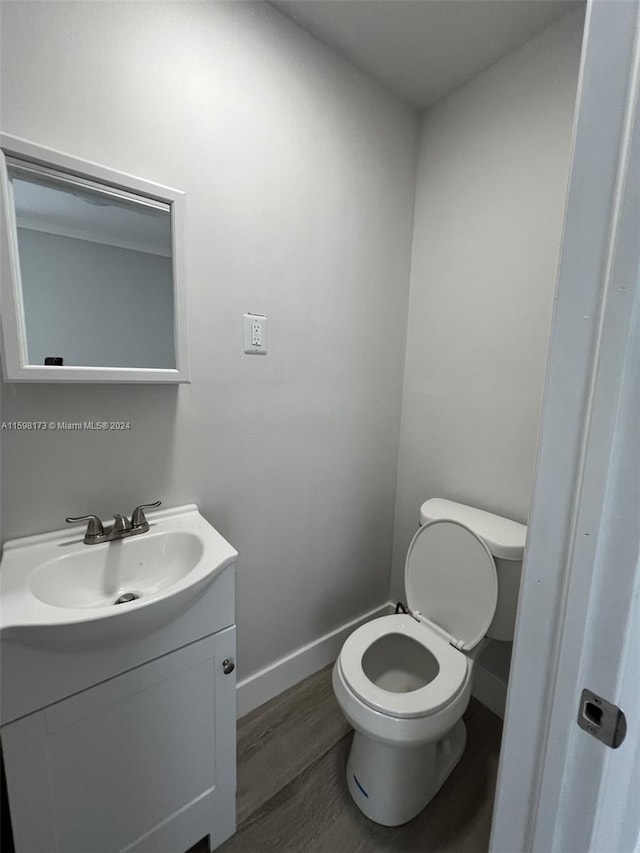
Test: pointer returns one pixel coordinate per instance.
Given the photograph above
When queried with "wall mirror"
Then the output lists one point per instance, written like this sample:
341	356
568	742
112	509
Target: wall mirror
92	287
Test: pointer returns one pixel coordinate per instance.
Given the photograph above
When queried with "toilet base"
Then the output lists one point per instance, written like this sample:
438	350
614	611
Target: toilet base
392	784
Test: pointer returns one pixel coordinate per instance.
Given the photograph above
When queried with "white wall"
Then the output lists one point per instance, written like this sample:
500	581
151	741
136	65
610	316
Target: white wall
95	304
299	179
492	174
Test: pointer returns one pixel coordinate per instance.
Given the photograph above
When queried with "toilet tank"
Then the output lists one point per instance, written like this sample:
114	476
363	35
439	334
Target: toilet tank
505	539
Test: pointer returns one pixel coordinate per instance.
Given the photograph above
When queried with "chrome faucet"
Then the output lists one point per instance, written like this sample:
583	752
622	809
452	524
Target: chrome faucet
120	529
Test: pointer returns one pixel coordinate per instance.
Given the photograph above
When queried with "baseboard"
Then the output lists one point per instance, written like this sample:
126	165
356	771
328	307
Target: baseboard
489	689
263	685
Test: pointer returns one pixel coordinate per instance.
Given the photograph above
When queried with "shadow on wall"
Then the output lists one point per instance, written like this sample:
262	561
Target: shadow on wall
71	467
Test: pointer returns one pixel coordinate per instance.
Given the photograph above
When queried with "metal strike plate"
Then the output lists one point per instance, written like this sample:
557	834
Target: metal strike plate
606	722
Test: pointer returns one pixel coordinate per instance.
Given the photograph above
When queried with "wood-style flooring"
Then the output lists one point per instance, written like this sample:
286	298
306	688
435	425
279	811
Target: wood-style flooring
292	794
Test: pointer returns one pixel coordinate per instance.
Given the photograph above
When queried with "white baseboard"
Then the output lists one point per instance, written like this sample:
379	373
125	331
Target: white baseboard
489	689
263	685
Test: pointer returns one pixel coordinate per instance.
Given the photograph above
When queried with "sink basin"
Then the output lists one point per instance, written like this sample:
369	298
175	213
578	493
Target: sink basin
101	575
55	586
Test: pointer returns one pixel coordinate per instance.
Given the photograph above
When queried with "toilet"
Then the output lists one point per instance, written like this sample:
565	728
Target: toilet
404	681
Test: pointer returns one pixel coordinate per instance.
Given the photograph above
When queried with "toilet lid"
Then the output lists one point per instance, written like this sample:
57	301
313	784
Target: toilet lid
451	582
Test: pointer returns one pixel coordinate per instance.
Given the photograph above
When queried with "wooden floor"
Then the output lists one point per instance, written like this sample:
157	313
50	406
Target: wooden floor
292	794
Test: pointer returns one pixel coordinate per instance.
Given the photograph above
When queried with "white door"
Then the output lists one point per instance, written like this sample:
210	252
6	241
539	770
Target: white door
560	790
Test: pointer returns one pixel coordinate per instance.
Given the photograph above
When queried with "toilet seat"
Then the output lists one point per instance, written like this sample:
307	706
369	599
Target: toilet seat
449	681
452	590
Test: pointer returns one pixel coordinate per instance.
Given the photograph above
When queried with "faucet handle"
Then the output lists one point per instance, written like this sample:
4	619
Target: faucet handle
138	518
94	527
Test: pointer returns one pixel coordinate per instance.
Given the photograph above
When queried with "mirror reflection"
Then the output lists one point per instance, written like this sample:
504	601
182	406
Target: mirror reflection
96	272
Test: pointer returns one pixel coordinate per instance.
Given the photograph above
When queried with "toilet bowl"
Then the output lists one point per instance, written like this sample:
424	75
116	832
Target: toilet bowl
404	681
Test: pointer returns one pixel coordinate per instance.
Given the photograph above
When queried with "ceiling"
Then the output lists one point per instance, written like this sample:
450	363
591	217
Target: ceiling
88	215
423	49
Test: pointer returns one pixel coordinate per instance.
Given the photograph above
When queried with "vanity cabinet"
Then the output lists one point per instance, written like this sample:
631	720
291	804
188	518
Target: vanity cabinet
143	761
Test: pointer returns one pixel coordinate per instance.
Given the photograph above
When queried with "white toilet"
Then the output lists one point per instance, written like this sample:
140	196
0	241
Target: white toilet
404	681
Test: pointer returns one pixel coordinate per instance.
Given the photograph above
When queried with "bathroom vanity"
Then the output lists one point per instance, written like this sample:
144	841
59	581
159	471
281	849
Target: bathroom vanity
118	721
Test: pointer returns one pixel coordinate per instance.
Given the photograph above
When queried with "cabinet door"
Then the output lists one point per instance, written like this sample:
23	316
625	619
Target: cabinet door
144	762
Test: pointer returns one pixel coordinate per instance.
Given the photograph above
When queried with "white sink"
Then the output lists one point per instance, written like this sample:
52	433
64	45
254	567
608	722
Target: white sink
98	575
54	585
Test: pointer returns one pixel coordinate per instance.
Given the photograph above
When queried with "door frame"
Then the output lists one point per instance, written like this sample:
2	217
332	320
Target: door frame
574	628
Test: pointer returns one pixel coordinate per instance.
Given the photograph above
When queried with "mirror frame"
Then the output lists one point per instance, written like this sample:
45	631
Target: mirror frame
14	344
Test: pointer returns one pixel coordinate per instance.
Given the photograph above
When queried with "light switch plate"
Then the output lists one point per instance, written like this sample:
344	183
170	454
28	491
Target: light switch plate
255	334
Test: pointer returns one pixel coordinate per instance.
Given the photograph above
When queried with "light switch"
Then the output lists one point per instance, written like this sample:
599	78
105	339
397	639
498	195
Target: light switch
255	334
